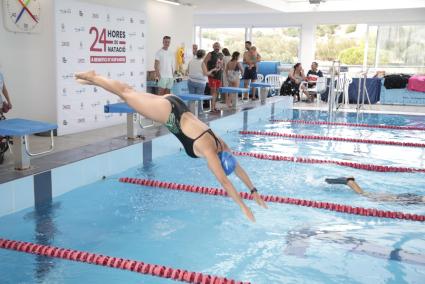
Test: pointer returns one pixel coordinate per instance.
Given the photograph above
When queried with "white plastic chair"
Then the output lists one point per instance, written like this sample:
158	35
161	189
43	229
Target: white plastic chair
276	81
260	77
342	86
318	89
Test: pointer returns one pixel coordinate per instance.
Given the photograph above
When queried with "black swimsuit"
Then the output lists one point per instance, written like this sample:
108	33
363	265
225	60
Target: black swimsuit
178	107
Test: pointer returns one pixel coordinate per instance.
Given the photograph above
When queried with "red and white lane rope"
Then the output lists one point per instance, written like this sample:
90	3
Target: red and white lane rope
330	138
115	262
306	160
279	199
364	125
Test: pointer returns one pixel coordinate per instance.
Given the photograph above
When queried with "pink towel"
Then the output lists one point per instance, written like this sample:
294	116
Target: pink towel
416	83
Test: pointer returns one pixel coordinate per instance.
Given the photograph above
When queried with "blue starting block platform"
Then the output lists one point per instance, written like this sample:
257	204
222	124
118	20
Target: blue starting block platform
132	118
263	90
233	91
193	100
19	129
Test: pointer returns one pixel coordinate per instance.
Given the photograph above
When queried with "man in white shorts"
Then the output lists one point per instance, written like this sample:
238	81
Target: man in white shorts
164	67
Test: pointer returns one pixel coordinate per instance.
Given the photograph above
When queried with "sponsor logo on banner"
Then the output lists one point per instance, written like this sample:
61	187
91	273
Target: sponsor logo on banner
66	107
65	44
63	27
65	11
81	13
68	76
80	91
79	29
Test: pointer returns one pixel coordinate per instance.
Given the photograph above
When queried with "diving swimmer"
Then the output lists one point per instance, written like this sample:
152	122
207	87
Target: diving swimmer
198	140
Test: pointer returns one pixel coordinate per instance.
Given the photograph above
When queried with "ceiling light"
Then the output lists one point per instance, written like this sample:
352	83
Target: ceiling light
169	2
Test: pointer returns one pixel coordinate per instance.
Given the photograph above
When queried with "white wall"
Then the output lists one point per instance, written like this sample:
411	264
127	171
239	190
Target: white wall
27	60
308	22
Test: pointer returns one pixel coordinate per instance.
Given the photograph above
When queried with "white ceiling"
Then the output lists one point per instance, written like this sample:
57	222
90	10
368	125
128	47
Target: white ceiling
276	6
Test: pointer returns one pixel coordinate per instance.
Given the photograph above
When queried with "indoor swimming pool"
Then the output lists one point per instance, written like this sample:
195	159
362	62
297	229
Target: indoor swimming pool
209	234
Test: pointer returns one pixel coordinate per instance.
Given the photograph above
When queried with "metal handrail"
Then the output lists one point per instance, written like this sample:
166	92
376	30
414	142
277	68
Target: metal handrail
27	150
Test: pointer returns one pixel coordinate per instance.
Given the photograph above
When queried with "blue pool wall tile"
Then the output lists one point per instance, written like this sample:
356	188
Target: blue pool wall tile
90	170
16	195
165	145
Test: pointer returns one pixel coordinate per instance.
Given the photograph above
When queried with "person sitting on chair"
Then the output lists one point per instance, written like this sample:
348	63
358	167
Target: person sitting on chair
313	74
296	76
197	138
407	198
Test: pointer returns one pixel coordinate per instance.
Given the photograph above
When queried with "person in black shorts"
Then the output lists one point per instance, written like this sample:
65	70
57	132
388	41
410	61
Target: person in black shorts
250	58
406	198
197	138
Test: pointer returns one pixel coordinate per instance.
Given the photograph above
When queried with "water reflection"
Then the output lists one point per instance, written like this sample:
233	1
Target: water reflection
45	232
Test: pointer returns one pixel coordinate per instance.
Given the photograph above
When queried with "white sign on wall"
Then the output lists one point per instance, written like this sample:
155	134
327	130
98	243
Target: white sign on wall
108	40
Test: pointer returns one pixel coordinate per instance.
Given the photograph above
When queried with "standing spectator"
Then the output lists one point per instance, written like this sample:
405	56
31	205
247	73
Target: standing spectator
5	106
233	72
251	57
226	59
214	60
194	49
164	67
197	73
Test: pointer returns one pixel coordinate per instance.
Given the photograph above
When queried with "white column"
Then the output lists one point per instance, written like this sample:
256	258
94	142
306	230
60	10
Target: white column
307	46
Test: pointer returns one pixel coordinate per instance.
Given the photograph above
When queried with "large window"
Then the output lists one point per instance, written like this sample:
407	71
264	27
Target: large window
280	44
231	38
341	42
401	47
393	48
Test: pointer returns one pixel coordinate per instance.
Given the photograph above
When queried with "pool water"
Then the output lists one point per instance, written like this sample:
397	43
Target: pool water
208	234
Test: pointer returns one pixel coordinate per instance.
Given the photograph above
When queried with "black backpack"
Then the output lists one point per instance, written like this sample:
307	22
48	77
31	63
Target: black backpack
396	81
288	89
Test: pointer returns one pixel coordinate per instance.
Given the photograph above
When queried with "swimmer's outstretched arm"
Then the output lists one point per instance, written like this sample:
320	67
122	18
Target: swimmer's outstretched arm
240	172
215	166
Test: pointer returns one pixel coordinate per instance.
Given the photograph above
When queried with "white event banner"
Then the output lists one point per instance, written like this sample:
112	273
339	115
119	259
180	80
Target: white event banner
108	40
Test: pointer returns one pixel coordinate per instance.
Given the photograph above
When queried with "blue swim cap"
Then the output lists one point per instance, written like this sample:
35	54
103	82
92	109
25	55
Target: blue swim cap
228	162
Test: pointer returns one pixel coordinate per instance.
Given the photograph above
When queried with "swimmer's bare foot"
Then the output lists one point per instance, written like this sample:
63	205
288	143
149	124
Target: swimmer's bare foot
85	78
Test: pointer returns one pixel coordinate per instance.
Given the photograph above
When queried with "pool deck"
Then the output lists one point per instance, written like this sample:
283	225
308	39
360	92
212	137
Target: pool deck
75	147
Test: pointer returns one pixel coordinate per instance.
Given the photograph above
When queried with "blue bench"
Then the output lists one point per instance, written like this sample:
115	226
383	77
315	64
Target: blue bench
19	129
233	91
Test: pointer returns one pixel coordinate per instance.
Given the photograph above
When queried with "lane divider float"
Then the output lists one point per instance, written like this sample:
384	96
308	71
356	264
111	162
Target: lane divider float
306	160
278	199
364	125
330	138
115	262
